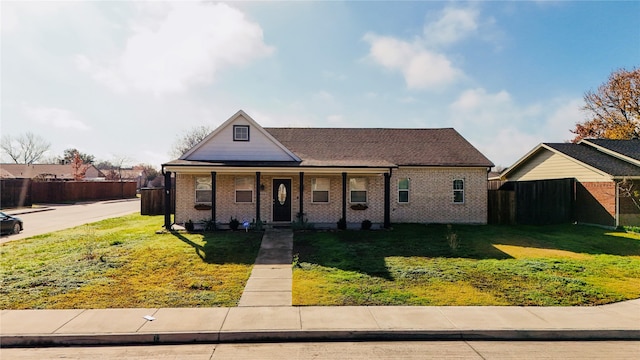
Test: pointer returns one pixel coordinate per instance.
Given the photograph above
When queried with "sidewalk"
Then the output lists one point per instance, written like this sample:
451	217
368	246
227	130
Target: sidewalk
254	324
264	314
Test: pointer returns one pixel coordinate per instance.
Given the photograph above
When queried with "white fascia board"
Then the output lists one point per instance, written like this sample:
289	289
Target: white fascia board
279	170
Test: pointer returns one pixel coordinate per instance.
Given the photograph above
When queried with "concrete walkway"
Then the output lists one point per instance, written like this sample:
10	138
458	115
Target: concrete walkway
271	277
265	314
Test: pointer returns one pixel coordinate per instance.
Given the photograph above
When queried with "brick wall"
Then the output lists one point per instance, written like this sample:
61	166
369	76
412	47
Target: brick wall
596	203
430	198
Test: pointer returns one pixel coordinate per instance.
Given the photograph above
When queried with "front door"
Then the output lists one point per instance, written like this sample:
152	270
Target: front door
281	199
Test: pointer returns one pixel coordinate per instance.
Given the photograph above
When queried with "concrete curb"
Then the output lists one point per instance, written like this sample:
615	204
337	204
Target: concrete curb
303	336
27	211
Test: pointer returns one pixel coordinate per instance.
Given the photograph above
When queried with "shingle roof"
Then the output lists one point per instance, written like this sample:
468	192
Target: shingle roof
597	159
58	171
379	147
629	148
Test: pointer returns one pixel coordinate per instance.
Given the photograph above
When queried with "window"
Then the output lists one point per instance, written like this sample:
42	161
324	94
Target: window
358	190
240	132
203	189
320	190
403	190
458	191
244	189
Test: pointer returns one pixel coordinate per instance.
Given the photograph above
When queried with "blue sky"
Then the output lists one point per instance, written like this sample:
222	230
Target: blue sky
125	79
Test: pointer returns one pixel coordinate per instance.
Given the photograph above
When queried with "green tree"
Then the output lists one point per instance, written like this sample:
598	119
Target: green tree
70	154
613	110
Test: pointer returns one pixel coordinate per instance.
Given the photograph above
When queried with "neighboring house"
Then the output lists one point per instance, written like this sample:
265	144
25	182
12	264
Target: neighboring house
247	172
49	172
607	173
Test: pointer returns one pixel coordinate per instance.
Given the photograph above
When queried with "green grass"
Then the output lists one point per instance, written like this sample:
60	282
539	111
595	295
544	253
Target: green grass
493	265
122	263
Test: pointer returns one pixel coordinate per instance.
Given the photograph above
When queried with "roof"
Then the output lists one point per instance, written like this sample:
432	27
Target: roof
617	158
628	148
597	159
332	148
56	171
379	147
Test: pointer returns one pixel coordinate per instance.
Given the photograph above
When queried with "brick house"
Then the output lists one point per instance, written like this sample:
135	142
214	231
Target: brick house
606	173
49	172
246	172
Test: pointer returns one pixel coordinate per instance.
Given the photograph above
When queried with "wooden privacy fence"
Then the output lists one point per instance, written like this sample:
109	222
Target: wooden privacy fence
73	191
15	193
538	202
152	201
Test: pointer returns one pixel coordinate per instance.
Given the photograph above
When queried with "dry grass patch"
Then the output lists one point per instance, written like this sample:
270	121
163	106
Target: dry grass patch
123	263
490	265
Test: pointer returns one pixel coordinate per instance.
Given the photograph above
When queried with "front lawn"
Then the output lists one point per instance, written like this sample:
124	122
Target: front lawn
122	263
492	265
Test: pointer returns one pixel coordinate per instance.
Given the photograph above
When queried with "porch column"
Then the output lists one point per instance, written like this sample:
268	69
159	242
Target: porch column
344	196
387	200
301	211
213	196
257	197
167	200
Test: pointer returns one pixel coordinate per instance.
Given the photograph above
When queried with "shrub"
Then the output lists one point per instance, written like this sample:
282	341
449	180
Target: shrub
366	225
257	225
342	224
189	225
209	225
301	223
234	224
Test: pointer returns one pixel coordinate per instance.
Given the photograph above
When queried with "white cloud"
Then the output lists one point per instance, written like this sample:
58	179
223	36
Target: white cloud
187	44
55	117
453	25
564	119
505	130
421	68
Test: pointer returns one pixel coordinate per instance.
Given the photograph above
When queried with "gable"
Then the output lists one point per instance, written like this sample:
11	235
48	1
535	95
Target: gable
258	145
546	164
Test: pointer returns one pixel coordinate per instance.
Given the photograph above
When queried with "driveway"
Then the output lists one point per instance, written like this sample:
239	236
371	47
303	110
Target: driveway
51	218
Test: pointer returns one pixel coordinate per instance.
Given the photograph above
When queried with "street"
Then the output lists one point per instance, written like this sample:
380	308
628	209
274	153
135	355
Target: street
346	350
58	217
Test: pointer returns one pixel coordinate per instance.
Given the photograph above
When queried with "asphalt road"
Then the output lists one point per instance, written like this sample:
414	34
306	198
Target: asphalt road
59	217
475	350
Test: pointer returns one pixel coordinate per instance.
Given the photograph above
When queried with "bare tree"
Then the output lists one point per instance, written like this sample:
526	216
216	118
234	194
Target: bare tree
189	139
613	110
25	149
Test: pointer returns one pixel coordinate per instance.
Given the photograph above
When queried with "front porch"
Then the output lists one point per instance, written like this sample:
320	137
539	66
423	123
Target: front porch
277	197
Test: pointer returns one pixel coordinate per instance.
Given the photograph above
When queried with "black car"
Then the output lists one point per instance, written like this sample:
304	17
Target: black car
10	224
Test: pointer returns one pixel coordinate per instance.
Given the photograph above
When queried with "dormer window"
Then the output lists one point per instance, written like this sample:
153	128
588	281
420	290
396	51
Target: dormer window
240	132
